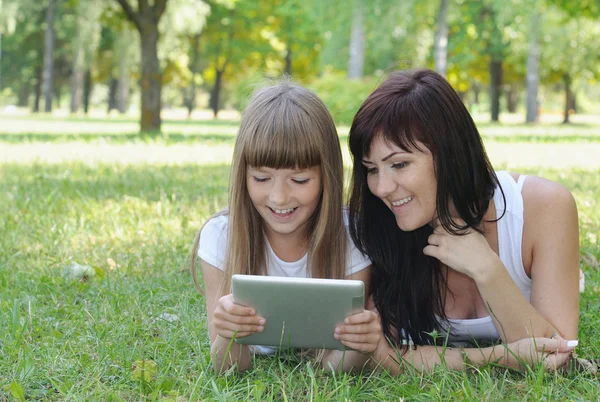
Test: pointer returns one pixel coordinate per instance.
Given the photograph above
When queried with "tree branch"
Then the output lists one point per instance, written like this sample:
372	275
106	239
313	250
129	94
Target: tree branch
131	15
159	8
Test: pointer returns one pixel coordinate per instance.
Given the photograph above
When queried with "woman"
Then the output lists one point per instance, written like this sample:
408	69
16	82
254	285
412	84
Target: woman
462	255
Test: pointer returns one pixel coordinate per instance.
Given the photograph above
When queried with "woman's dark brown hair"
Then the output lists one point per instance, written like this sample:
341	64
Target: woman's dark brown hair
408	287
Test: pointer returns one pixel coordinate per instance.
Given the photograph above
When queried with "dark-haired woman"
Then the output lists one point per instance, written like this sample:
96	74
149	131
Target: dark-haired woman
462	255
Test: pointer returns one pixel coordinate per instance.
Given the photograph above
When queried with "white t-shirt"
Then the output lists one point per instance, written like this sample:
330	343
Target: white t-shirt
213	246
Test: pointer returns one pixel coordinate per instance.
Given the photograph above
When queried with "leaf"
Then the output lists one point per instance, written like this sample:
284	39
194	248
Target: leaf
144	370
17	391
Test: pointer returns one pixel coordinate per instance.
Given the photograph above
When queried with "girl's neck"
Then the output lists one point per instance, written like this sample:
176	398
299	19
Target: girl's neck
288	248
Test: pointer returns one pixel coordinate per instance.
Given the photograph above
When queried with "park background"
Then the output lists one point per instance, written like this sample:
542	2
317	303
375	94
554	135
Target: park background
117	125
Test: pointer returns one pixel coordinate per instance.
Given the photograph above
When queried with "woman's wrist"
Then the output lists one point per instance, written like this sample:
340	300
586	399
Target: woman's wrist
490	272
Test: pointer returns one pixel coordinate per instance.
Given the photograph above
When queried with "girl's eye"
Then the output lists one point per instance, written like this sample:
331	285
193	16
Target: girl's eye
371	170
400	165
300	181
260	179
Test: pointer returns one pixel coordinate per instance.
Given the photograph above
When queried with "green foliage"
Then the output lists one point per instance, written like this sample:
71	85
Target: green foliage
342	97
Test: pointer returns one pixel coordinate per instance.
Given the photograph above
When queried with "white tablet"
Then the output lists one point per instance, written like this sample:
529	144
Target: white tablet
299	312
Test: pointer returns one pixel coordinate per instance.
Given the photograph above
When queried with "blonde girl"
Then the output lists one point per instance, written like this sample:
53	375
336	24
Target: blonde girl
285	215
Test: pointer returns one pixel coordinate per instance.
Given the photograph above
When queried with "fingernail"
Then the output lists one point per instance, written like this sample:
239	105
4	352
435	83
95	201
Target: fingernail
336	336
260	329
347	321
572	344
261	322
337	331
252	312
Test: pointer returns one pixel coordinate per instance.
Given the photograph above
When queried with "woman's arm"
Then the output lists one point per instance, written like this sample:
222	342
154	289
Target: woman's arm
550	247
553	353
226	320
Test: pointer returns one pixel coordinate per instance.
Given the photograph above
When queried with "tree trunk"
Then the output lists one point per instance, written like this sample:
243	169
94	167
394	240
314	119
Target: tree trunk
495	88
23	99
112	93
356	60
58	96
37	89
476	91
441	39
512	99
288	61
87	90
122	101
151	79
215	93
77	77
189	99
48	75
568	98
533	71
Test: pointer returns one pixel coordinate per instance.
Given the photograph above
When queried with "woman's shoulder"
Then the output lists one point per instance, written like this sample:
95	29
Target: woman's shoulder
548	195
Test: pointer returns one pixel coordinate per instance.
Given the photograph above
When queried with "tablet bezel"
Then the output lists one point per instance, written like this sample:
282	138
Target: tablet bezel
294	308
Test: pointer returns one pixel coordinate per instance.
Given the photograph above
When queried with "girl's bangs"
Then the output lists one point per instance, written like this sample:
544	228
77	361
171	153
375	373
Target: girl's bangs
284	141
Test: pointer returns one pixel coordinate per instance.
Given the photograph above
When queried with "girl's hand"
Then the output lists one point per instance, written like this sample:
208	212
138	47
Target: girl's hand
469	254
230	317
552	352
361	332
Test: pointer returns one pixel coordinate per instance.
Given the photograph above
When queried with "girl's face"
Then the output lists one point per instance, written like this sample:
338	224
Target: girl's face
285	198
404	181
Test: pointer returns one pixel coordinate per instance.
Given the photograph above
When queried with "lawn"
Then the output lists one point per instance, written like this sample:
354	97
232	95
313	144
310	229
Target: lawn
134	328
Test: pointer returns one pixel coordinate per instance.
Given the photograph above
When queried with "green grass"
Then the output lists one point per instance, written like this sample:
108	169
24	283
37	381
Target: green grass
66	339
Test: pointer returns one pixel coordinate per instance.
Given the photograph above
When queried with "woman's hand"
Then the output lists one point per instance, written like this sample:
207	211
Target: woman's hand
552	352
361	332
234	319
469	254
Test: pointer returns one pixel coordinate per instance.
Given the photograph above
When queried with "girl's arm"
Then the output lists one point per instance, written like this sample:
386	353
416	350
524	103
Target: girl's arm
226	320
550	247
350	360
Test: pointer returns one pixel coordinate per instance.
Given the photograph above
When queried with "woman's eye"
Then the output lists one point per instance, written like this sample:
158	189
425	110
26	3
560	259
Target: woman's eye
371	170
260	179
300	181
399	165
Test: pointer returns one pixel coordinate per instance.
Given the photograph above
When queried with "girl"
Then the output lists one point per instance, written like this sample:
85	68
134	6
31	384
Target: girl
285	215
458	250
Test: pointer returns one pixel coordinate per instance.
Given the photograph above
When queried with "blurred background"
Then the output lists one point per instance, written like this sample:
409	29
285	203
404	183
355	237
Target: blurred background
510	60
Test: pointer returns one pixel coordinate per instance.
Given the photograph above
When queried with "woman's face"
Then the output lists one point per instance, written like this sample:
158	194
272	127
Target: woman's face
404	181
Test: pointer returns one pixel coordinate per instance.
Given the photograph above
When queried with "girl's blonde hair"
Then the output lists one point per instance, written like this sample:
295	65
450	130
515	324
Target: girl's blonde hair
285	126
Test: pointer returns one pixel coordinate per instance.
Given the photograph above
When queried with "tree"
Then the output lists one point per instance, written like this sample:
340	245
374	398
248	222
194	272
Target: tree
533	70
356	61
441	39
47	74
146	21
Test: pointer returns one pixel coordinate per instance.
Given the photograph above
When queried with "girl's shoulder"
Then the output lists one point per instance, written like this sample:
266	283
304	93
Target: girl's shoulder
213	240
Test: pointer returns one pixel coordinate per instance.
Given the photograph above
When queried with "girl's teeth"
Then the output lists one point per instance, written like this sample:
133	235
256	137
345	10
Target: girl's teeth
283	211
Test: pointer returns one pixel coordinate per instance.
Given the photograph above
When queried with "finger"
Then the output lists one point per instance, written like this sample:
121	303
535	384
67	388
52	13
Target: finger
434	239
237	309
358	338
432	251
354	329
360	318
230	326
360	347
550	345
233	334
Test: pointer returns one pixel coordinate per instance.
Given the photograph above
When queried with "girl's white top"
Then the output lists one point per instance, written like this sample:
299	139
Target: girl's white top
213	246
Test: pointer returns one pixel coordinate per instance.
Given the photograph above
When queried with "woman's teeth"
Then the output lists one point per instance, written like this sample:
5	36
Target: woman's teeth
402	201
